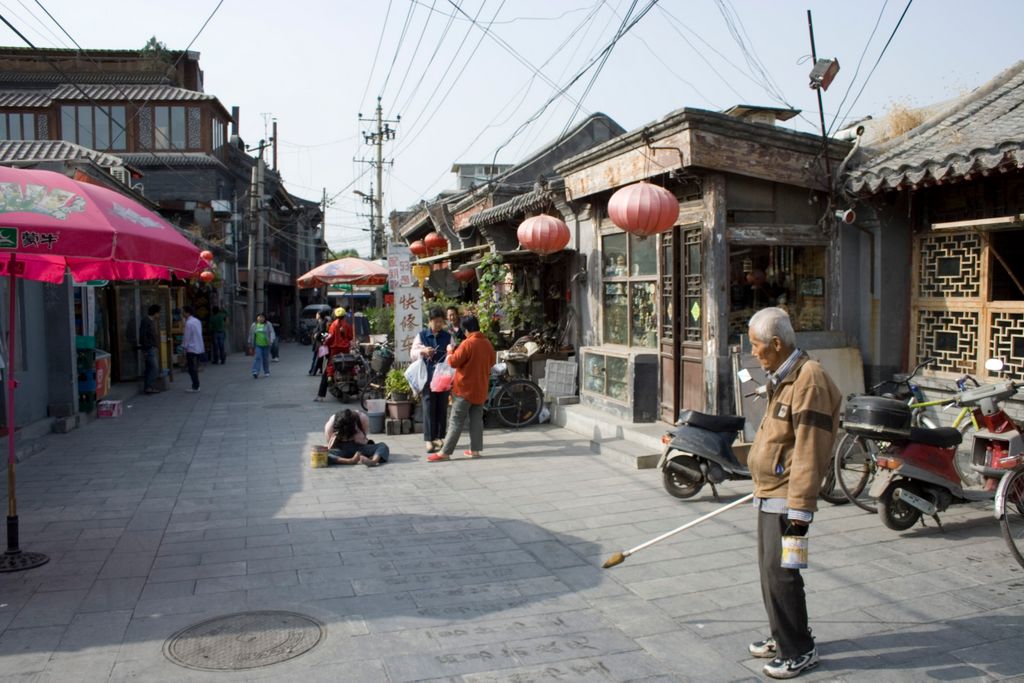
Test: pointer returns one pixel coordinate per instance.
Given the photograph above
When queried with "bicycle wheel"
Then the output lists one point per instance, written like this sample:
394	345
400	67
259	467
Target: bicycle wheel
370	393
854	464
518	403
1013	515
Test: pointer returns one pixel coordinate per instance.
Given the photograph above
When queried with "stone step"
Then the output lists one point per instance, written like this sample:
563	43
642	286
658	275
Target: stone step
635	445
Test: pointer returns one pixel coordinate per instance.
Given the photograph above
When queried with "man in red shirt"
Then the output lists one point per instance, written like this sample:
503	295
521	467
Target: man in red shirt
339	340
472	360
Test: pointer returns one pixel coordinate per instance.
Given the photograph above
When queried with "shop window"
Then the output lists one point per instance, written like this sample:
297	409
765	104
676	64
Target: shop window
968	300
17	127
606	375
630	290
169	128
792	278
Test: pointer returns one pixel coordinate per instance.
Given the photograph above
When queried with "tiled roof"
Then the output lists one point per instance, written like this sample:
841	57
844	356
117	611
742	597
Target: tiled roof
979	133
160	160
15	151
36	98
56	78
534	200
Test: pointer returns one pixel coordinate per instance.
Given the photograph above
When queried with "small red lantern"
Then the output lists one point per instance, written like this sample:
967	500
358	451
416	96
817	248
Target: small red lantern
643	209
206	255
418	248
207	276
464	274
543	234
435	243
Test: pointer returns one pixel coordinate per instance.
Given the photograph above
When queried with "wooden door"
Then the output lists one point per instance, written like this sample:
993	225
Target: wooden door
681	344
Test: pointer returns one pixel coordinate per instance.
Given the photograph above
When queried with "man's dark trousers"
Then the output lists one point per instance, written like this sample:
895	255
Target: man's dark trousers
782	589
192	359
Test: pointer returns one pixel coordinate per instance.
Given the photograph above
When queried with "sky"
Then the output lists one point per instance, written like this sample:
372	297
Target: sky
479	80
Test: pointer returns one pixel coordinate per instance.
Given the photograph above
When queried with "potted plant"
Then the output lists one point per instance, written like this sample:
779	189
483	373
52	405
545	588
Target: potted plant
398	391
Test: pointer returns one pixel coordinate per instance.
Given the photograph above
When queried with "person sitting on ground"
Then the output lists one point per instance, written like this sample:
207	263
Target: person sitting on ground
347	443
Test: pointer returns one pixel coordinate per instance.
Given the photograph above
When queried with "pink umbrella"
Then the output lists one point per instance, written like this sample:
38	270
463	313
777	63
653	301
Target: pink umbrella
51	224
348	271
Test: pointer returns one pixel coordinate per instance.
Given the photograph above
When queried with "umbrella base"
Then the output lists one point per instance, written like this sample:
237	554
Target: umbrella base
16	561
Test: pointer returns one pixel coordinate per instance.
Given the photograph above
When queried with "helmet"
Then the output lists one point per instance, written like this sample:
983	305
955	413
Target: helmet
339	312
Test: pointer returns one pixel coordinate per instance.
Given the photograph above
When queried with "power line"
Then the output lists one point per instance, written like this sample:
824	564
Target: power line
412	58
54	20
860	61
56	38
880	55
398	48
509	21
373	66
426	68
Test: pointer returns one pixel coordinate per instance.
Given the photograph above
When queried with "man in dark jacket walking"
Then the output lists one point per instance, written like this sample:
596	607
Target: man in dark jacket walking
149	343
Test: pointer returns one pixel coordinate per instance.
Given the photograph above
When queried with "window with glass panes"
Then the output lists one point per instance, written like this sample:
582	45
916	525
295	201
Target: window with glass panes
99	128
629	290
17	126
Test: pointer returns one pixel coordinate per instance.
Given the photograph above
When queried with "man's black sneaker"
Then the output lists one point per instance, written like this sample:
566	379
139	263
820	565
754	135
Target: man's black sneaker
791	668
766	649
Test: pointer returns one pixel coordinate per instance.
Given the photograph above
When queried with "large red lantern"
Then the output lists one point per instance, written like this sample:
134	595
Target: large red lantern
418	248
435	243
207	276
206	255
543	234
464	274
643	209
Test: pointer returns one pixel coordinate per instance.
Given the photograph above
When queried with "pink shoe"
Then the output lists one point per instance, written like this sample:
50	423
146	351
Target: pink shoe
438	457
472	454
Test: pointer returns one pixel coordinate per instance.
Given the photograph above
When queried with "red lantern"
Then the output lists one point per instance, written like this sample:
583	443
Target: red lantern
543	234
418	248
207	276
465	274
206	255
435	243
643	209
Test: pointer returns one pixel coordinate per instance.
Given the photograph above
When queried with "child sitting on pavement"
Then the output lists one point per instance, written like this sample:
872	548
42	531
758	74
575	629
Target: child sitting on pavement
347	442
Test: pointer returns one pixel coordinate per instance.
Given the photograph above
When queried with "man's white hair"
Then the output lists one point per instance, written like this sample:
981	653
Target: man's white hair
773	322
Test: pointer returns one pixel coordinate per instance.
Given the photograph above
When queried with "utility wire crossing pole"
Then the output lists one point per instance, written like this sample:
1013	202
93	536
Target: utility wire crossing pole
255	283
378	137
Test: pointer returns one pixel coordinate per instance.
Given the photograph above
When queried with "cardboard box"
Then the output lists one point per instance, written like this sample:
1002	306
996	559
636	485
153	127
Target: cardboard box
109	409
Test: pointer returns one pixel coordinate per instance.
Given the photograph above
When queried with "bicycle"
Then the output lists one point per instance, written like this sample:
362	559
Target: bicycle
854	460
515	400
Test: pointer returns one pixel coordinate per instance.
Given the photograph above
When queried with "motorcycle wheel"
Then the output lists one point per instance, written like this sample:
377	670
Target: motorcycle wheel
1013	515
896	514
335	390
683	484
853	466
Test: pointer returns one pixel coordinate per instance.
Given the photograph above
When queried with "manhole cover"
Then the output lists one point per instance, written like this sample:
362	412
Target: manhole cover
244	641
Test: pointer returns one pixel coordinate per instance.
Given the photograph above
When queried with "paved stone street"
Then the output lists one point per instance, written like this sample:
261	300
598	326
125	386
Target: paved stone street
194	506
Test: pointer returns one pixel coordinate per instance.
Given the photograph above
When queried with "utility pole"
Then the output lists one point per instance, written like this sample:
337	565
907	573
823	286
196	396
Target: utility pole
254	282
261	239
378	137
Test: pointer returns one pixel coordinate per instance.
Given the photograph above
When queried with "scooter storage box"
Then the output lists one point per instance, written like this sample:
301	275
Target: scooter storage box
877	417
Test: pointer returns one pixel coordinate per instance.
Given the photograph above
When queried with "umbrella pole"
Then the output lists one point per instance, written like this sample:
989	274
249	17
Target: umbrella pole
13	558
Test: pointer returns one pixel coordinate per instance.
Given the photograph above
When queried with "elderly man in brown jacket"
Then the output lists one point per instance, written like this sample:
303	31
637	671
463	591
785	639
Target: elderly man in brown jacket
472	361
787	462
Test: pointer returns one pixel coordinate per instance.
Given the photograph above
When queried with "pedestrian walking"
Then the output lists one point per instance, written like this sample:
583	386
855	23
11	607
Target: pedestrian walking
431	346
218	330
339	340
347	442
787	461
274	344
472	360
455	325
149	344
317	336
261	337
193	345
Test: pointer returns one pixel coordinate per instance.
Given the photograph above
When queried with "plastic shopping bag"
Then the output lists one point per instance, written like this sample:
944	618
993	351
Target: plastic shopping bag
444	377
322	351
416	374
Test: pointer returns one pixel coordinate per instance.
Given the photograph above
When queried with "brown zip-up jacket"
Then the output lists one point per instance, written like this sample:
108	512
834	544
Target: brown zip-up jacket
793	445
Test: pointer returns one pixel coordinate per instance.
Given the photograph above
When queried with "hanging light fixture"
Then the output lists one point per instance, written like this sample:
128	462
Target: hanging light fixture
543	234
421	272
206	255
464	274
207	276
643	209
418	248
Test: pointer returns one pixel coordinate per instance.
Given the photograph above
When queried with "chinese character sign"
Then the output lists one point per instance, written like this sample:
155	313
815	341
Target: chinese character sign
408	321
399	267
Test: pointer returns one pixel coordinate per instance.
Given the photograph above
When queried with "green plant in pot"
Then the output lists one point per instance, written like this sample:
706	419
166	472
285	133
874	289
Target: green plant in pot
396	386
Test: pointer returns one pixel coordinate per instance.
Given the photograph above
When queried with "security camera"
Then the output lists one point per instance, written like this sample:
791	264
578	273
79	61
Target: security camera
846	216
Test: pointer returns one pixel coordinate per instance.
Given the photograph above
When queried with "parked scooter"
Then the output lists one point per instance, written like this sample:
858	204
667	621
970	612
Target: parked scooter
351	375
916	474
698	451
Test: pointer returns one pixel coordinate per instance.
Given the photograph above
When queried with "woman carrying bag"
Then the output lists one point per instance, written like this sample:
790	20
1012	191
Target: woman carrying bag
431	346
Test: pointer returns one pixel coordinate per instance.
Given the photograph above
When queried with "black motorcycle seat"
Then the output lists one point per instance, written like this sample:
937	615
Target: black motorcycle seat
941	437
712	423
